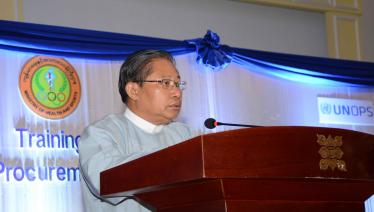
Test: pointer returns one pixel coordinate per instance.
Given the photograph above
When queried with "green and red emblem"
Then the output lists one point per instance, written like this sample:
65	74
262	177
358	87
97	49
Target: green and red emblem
50	87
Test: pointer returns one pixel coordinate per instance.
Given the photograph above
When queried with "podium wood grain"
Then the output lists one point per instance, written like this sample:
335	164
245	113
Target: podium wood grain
257	169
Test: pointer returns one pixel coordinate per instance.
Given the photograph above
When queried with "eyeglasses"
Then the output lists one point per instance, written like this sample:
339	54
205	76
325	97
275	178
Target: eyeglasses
168	83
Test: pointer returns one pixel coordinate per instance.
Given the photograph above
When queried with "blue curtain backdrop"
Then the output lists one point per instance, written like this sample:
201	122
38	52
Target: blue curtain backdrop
71	42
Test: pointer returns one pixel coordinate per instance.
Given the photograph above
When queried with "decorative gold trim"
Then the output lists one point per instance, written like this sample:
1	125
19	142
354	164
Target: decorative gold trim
11	10
343	35
7	10
353	7
331	153
20	16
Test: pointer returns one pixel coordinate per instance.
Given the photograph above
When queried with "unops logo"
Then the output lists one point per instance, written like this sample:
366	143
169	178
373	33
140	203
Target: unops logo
325	108
345	111
50	87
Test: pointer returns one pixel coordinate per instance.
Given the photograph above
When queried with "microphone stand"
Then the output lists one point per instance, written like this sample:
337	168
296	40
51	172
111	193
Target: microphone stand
236	125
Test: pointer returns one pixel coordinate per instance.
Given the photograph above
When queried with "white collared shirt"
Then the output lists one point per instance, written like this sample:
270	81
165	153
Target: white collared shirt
117	139
142	123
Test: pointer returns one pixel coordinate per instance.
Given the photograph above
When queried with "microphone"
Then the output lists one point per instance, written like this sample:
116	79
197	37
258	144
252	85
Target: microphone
211	123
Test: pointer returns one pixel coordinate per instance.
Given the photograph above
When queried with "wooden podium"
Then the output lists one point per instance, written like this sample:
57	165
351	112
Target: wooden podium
257	169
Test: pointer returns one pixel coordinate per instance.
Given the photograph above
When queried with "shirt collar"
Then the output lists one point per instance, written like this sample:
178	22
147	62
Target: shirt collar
142	123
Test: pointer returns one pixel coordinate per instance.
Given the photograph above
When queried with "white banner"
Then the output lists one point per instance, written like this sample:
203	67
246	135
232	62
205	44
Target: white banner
39	156
345	111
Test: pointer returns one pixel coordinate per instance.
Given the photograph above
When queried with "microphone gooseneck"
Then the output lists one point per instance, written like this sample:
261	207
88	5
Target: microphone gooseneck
211	123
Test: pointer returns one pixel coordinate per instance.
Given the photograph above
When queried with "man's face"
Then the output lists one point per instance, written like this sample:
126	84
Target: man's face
156	103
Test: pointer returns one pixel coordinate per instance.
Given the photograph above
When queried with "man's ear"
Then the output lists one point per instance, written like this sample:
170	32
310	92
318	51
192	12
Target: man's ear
132	90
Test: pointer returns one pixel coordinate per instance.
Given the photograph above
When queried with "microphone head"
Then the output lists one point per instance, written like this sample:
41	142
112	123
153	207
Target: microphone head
210	123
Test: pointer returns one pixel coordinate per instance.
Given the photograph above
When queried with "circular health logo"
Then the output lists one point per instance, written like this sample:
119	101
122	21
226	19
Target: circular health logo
50	87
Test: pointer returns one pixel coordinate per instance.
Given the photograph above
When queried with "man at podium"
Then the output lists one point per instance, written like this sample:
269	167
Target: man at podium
151	88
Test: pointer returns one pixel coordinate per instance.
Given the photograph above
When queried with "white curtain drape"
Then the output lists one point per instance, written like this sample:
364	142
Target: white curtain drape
235	95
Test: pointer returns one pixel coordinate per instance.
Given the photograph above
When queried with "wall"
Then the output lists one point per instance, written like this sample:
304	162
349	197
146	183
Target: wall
239	24
367	30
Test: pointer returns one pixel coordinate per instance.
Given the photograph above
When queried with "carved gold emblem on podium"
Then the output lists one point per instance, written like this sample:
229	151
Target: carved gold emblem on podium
331	153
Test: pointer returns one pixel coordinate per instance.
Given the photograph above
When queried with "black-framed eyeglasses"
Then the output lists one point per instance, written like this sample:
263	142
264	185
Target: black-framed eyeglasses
168	83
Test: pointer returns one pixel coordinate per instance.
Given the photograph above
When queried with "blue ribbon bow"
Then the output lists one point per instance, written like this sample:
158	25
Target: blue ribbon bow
210	52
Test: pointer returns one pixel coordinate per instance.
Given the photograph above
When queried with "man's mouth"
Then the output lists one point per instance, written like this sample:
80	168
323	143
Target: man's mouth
175	106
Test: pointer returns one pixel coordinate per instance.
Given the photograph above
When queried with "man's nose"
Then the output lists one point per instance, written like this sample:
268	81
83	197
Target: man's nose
176	92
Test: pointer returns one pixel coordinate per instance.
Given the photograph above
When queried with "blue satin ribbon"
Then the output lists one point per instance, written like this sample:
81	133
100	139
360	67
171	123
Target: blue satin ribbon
210	53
